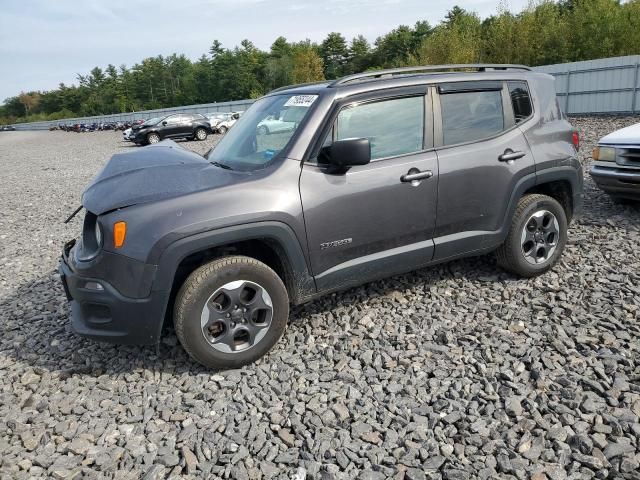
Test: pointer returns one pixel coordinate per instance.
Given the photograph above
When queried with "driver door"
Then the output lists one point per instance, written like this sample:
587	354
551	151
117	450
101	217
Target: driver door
372	221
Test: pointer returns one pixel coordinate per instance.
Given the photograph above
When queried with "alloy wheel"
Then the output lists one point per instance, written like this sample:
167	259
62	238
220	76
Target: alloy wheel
540	236
236	316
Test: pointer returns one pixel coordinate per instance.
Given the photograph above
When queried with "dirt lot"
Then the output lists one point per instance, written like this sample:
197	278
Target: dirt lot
455	372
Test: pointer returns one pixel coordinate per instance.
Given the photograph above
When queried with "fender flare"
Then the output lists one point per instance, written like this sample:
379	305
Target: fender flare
302	285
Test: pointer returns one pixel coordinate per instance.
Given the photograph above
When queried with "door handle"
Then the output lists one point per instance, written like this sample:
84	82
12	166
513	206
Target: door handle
415	175
509	155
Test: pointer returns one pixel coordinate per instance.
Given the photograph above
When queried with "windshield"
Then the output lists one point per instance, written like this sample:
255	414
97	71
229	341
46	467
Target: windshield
152	121
262	132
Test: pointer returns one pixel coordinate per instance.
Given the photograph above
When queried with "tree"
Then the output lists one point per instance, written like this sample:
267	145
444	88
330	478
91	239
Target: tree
307	66
334	55
457	40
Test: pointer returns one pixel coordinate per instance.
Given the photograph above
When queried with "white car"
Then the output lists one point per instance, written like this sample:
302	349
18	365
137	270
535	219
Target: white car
221	122
272	124
616	164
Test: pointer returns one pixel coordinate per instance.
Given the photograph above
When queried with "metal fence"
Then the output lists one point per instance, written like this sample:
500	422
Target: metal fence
205	108
606	86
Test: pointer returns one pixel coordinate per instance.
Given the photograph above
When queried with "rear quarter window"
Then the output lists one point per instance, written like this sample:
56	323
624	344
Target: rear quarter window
520	100
470	116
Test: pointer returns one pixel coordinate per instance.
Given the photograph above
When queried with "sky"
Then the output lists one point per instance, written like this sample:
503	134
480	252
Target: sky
45	42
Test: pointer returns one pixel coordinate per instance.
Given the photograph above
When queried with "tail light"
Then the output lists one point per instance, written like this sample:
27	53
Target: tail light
575	139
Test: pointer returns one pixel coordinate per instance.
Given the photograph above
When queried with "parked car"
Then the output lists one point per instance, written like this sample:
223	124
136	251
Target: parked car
179	125
616	166
272	124
226	122
8	128
129	133
384	172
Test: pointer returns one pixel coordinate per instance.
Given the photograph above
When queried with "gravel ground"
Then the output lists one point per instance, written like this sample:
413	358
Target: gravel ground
454	372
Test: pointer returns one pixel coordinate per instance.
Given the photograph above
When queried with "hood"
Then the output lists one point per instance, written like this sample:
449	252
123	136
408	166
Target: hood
627	135
156	172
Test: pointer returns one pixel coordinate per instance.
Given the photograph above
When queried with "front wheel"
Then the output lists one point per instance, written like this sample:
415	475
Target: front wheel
201	134
536	238
231	312
222	130
153	138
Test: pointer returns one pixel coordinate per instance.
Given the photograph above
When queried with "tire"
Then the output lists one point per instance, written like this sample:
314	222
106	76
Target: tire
224	284
534	251
201	134
153	138
222	130
262	130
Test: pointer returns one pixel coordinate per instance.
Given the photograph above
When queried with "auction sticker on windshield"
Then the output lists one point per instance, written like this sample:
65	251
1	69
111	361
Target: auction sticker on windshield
301	101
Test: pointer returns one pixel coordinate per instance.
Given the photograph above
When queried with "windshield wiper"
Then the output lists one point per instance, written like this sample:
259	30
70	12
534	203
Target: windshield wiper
221	165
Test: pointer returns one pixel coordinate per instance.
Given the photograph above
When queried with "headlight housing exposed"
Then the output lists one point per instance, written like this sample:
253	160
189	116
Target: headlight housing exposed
604	154
91	240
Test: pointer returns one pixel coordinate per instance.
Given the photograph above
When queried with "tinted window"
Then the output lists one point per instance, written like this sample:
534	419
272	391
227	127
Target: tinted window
469	116
520	100
173	119
394	127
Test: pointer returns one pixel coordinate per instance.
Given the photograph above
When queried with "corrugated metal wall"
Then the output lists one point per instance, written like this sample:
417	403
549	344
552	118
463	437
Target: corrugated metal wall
607	85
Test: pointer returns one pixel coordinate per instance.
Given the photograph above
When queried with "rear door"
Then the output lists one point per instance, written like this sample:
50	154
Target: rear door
482	156
372	220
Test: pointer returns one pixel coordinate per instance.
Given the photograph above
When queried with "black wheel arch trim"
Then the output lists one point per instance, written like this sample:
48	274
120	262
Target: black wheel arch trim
466	244
301	285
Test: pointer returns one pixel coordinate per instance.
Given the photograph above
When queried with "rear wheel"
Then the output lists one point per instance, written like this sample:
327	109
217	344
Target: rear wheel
231	312
536	238
153	138
222	130
201	134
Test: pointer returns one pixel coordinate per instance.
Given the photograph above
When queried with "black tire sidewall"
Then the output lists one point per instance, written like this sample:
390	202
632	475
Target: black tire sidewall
200	130
522	266
191	329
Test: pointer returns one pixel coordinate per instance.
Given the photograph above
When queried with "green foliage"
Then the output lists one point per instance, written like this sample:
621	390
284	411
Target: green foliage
545	32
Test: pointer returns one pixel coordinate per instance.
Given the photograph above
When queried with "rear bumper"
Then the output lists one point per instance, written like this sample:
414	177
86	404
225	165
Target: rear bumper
100	312
617	181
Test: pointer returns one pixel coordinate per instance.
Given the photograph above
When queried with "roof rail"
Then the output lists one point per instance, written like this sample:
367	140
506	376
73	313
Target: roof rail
479	67
296	85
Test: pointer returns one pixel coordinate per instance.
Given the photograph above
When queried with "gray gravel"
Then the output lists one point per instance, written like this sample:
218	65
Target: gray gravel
456	372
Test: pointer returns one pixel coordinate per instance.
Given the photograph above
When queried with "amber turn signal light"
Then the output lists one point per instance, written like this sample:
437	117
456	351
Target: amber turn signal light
119	233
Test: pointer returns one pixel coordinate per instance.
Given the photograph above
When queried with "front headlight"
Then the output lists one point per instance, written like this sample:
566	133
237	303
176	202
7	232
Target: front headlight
604	154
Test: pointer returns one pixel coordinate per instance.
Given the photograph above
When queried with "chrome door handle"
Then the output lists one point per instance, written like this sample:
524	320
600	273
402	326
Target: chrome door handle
415	175
509	155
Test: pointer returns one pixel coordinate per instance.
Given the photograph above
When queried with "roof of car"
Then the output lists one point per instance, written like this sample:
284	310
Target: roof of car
373	80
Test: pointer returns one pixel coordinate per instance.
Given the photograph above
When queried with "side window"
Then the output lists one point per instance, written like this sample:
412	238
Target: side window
520	100
394	127
469	116
173	119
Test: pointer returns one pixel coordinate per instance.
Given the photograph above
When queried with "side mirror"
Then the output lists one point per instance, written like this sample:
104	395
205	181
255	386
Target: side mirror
164	122
343	154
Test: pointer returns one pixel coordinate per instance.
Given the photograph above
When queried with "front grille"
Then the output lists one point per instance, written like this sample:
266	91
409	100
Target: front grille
629	156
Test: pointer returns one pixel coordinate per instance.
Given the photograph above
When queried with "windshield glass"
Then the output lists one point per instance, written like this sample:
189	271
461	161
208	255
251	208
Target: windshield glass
152	121
262	132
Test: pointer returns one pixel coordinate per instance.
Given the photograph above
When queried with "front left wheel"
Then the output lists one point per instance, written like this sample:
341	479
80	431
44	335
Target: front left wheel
230	312
201	134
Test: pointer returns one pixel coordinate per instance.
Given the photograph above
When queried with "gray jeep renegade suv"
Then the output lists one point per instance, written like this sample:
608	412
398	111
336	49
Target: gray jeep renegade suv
356	179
